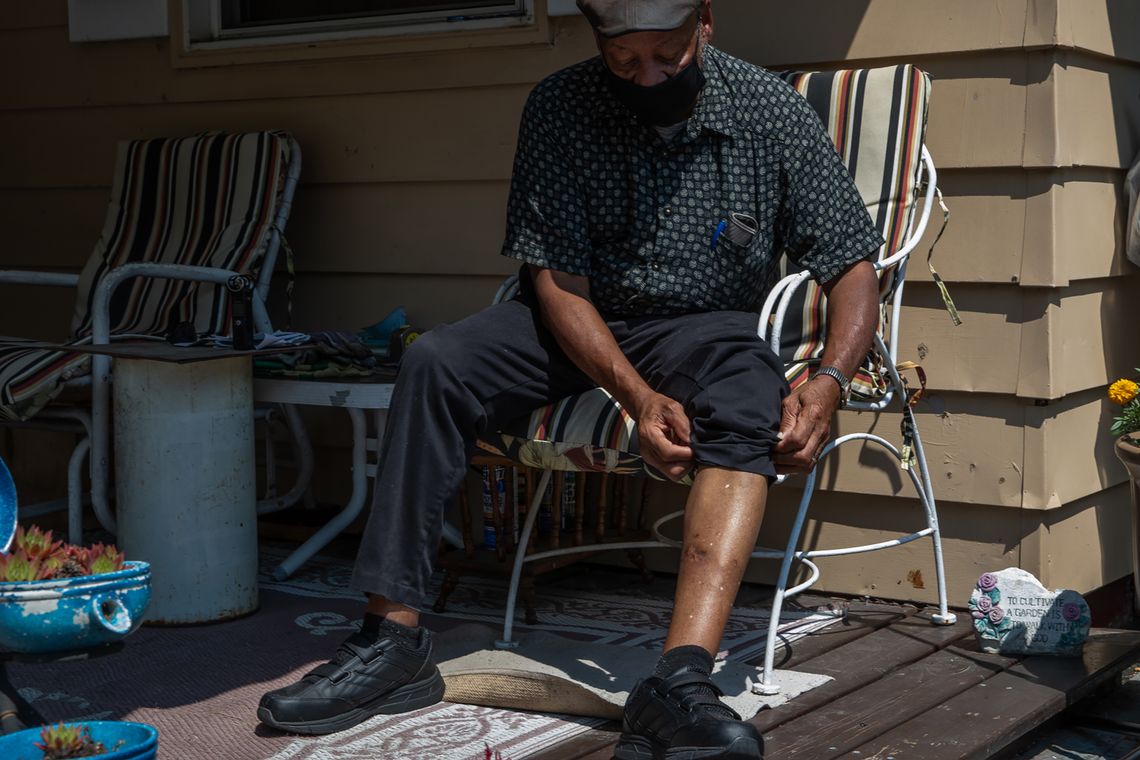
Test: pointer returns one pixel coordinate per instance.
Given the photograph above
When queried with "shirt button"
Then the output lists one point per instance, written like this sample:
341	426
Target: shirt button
668	211
653	266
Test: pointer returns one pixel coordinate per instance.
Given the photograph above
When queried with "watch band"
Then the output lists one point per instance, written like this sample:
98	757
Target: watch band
839	377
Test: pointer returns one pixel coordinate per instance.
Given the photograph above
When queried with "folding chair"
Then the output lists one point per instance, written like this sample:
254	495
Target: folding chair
877	118
184	212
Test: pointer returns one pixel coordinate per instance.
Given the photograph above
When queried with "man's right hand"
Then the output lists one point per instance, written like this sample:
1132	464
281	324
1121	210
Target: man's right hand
663	435
568	312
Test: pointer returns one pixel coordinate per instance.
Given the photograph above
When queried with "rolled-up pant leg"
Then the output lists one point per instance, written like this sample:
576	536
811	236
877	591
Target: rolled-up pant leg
455	382
728	380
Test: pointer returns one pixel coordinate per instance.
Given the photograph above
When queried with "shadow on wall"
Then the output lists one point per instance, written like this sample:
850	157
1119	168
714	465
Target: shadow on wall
753	29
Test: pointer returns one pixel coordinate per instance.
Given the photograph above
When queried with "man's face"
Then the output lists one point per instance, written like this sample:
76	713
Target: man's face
649	58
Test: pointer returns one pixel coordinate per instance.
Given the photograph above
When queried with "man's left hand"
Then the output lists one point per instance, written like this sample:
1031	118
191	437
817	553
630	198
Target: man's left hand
805	424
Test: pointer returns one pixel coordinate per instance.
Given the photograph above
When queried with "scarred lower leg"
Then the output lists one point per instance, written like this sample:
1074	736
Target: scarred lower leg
722	519
394	611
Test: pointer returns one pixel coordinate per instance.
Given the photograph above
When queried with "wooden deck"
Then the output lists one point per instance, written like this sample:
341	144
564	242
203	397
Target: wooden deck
904	688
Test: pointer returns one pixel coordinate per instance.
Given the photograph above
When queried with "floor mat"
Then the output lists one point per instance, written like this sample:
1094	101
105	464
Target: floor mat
199	685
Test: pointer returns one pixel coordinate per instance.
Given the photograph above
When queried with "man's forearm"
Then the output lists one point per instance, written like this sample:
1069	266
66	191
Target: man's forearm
582	333
852	318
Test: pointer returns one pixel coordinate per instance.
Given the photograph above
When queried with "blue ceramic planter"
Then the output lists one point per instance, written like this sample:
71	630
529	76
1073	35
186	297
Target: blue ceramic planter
140	741
73	613
7	507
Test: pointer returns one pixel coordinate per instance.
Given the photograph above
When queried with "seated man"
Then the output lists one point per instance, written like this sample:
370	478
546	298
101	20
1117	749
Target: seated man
654	188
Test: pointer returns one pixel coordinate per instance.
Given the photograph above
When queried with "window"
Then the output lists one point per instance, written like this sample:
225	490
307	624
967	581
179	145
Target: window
312	20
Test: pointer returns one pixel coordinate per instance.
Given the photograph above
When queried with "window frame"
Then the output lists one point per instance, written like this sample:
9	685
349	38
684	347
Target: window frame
191	20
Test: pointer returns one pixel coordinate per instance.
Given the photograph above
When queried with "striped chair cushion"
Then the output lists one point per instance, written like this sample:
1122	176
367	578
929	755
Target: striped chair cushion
877	119
31	377
208	200
589	432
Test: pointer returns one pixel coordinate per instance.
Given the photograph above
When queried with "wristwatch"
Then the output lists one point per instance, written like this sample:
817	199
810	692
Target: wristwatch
839	377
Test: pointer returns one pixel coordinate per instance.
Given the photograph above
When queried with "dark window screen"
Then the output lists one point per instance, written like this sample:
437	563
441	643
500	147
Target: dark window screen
239	13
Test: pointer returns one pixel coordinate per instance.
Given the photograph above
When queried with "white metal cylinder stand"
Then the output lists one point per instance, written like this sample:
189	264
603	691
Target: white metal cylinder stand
184	475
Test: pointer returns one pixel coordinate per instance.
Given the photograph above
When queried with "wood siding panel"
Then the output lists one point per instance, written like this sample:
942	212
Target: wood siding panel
350	301
780	33
409	228
54	228
1104	27
401	137
139	72
42	13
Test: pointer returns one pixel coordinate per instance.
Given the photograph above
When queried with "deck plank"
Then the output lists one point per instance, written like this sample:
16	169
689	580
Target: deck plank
863	661
862	620
840	726
992	714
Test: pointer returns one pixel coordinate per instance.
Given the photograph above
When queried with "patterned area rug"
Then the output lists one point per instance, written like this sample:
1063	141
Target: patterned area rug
200	684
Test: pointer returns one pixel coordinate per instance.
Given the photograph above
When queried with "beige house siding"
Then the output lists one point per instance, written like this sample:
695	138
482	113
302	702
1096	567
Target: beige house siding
408	150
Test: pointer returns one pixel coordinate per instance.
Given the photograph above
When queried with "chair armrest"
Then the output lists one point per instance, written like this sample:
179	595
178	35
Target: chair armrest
779	299
26	277
101	308
927	205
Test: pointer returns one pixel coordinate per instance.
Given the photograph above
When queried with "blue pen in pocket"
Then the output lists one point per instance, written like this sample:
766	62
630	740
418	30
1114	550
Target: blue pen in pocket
717	233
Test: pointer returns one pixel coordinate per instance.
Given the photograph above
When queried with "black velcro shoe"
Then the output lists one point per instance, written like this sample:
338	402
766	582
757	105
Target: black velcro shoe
681	717
370	675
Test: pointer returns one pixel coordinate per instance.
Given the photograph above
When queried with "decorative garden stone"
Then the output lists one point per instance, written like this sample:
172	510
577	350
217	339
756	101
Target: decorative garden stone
1014	614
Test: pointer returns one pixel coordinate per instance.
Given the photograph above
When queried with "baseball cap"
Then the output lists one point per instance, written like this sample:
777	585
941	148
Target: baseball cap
612	18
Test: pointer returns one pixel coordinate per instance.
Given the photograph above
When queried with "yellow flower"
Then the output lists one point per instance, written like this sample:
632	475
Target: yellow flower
1123	391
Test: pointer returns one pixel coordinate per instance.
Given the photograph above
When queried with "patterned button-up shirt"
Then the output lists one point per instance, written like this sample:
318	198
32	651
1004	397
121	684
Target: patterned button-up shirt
597	193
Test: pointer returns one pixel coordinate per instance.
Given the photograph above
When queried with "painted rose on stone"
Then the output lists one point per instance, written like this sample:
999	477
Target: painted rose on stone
1071	612
987	582
996	615
985	604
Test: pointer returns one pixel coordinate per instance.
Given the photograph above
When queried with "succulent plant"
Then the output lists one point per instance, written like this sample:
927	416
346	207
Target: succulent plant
104	559
74	562
63	741
35	556
36	543
18	567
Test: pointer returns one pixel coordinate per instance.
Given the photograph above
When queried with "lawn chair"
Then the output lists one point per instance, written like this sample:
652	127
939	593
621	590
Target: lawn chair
184	212
877	118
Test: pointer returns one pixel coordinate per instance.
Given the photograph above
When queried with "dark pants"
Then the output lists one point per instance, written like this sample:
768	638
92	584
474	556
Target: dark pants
461	380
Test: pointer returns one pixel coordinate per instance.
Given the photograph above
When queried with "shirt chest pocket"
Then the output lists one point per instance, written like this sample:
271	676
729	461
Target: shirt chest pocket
741	237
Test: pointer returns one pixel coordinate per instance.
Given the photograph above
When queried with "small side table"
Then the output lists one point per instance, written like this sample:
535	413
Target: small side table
357	396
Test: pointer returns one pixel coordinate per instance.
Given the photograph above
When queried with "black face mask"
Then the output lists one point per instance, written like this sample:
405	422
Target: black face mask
663	104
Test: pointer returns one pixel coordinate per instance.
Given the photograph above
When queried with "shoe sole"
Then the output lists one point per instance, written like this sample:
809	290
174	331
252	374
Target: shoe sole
409	697
633	747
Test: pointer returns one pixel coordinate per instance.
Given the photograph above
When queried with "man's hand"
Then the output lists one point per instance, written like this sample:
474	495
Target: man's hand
663	435
663	427
805	424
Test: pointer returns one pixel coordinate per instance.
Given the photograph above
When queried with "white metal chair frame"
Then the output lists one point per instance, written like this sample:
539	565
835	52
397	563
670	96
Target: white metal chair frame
94	422
779	301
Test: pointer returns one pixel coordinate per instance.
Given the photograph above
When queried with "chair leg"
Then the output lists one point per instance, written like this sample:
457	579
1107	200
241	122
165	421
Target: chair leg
943	616
520	557
526	590
450	582
637	559
75	492
767	685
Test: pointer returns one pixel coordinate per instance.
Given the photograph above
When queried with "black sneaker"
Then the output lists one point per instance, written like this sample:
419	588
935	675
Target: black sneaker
381	674
681	717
